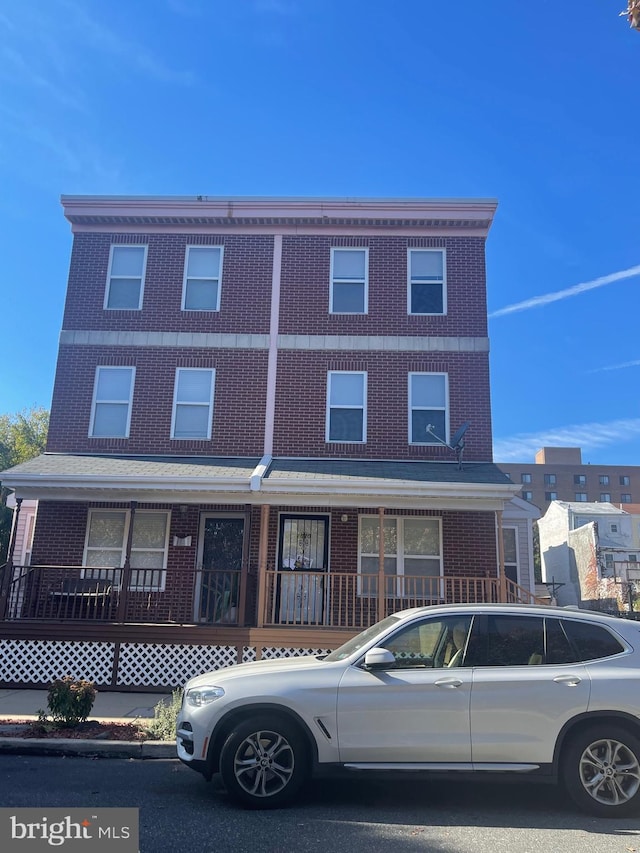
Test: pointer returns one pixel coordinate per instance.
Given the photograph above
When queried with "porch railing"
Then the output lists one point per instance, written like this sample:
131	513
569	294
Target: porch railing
350	600
97	594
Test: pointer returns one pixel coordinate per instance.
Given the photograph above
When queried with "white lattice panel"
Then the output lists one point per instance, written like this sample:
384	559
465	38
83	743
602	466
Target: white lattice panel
45	660
153	664
268	653
248	654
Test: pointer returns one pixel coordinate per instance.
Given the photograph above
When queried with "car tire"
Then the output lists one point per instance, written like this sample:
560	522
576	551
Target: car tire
264	762
601	771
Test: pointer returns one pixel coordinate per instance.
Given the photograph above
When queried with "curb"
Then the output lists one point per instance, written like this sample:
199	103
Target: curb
88	748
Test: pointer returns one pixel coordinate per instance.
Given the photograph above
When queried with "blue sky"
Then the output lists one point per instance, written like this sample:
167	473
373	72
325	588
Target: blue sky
533	104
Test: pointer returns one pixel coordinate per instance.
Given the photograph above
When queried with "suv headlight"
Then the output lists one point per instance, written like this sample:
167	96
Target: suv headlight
199	696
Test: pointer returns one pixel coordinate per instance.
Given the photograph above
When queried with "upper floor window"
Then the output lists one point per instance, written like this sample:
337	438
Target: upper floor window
427	281
125	279
605	497
581	496
624	480
346	406
201	286
349	281
111	405
580	479
551	496
527	496
549	479
427	407
192	403
604	479
525	478
625	499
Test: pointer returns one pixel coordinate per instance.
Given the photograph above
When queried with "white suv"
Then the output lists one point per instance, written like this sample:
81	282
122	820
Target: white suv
540	691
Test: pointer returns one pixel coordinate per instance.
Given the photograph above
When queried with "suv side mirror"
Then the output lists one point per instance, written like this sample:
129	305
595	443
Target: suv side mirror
379	658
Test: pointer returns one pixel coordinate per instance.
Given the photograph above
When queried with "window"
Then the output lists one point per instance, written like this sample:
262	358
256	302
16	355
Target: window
525	478
412	556
633	558
201	286
507	641
592	642
427	407
427	290
613	528
106	539
608	571
192	403
125	280
346	406
349	281
581	496
603	479
432	643
549	479
551	496
111	406
624	480
579	480
605	497
510	544
625	499
527	496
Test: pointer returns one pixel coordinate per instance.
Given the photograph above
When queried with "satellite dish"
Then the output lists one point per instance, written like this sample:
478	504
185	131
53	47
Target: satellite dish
457	441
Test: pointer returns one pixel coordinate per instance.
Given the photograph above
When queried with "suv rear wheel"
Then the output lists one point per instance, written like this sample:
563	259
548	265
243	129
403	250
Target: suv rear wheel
601	770
264	762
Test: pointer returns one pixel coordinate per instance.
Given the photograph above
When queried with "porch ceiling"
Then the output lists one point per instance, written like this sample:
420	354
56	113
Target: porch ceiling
252	480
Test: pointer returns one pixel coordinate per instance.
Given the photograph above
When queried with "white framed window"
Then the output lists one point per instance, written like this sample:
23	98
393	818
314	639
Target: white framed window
413	564
605	497
428	406
349	281
510	550
125	278
193	403
608	569
581	497
112	402
346	406
427	291
604	479
105	546
202	277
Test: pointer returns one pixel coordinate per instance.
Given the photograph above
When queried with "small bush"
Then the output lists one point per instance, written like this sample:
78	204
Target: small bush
70	701
165	716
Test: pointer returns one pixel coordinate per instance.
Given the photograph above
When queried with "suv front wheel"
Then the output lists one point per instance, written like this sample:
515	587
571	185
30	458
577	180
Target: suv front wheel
264	762
601	771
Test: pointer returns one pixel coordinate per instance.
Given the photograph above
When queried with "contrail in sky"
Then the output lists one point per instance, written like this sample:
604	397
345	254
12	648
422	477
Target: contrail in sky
537	301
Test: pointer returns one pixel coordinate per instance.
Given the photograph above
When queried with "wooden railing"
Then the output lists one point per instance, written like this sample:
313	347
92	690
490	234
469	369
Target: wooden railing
350	600
97	594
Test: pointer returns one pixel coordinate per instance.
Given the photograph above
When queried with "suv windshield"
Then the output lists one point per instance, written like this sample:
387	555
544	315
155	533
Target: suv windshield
360	640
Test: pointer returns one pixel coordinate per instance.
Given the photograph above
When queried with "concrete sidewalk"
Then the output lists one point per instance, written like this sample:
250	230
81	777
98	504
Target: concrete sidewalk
17	704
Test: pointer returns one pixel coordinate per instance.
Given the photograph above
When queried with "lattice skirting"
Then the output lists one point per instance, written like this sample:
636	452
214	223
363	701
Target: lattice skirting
33	663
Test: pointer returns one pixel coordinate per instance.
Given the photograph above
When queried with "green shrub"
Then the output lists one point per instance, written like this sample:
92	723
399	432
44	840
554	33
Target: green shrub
69	701
165	715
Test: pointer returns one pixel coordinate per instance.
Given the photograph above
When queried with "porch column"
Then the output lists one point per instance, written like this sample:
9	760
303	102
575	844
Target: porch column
381	584
501	575
262	563
7	576
126	569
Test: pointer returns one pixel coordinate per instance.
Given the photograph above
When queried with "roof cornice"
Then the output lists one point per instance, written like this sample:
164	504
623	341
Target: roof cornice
212	211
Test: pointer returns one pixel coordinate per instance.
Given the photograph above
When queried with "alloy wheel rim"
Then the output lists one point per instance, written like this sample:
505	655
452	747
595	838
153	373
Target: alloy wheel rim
264	763
610	772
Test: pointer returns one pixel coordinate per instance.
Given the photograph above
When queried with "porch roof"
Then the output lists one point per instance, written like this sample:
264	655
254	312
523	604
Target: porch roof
255	480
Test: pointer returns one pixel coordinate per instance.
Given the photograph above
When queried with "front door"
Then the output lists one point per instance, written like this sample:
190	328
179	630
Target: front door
220	557
303	551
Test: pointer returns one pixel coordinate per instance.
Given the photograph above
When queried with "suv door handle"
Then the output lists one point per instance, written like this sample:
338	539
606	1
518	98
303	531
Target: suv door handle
448	682
569	680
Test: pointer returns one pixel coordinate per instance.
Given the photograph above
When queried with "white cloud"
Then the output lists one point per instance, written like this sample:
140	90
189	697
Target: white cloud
624	364
522	447
538	301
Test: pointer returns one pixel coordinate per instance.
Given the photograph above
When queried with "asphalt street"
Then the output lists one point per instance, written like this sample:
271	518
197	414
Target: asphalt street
180	811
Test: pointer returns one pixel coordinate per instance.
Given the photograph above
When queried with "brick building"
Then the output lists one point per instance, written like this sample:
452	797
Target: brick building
240	410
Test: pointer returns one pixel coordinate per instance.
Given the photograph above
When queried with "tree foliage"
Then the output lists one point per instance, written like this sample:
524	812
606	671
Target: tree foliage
22	436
